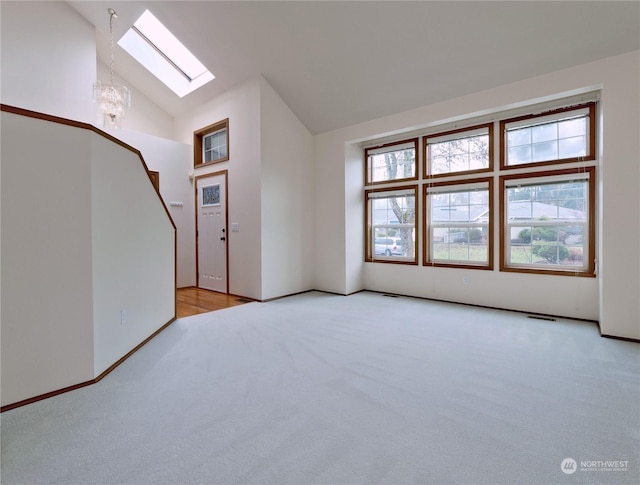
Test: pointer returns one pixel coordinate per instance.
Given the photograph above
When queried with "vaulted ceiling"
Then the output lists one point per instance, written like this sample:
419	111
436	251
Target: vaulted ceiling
339	63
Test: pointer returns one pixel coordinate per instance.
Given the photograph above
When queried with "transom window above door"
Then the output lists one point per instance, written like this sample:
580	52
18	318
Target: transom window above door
211	144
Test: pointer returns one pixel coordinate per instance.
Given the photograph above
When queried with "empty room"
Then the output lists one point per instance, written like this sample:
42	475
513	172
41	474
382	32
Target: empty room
320	242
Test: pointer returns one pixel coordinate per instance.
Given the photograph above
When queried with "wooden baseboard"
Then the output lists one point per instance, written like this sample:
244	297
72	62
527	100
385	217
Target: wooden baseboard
47	395
543	315
626	339
133	351
287	296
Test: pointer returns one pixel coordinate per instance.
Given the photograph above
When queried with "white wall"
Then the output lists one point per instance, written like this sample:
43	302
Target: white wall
339	206
330	209
48	59
620	172
337	173
242	106
47	310
287	202
173	160
354	211
132	254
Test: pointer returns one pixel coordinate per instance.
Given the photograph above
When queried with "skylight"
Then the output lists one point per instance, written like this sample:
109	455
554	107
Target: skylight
157	49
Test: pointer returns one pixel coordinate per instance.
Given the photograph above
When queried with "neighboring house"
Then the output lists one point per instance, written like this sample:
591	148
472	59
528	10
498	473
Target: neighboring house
476	215
526	211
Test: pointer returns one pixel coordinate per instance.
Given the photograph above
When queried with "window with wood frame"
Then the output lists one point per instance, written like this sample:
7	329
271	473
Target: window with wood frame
545	208
211	144
463	151
391	225
548	222
459	224
391	162
562	135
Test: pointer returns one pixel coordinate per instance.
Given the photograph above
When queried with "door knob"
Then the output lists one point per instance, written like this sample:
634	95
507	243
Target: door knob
223	238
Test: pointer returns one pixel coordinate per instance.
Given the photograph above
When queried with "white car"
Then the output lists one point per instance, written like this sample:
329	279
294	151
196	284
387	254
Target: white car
389	246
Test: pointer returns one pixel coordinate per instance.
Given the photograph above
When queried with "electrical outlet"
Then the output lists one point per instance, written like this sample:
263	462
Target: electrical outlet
123	317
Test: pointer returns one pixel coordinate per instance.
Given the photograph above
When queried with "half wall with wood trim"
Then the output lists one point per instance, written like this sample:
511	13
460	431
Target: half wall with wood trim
88	255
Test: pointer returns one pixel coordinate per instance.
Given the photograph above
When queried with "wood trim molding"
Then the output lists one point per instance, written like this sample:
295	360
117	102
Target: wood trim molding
489	307
625	339
155	179
86	126
133	351
68	122
198	135
80	385
47	395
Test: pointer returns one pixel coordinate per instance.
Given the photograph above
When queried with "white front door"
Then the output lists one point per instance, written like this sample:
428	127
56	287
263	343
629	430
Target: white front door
211	232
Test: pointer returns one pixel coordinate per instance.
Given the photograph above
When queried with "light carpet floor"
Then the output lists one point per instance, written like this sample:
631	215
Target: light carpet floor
324	389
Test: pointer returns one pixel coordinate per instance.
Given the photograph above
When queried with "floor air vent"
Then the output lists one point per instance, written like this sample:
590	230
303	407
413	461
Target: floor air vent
541	317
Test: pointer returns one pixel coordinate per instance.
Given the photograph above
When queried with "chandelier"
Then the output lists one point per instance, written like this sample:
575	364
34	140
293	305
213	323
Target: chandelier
113	99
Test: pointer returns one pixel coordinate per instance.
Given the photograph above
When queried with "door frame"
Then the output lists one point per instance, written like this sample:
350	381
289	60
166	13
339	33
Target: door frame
225	173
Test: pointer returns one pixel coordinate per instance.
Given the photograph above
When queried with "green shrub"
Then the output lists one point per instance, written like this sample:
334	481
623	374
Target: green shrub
525	236
545	234
551	251
475	235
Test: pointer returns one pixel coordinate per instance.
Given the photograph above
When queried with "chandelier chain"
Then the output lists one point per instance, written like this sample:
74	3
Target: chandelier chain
111	14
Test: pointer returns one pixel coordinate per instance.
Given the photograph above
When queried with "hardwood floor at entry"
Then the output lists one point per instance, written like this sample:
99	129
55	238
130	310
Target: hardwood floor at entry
192	301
